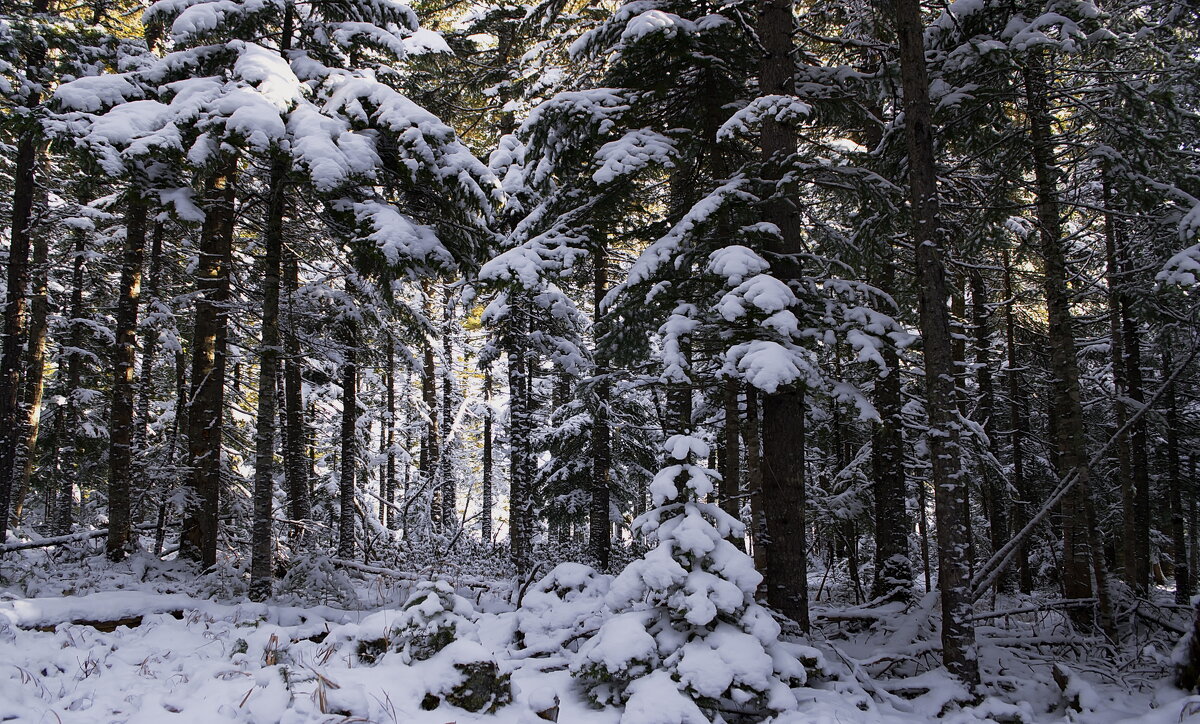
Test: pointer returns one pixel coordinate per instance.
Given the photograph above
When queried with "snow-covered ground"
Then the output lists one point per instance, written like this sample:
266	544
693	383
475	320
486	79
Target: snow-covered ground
184	652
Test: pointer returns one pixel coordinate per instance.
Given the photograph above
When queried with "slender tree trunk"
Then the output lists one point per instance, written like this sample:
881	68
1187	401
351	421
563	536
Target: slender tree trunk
74	360
599	524
198	538
349	449
995	491
429	442
295	468
449	512
1183	582
958	633
35	370
17	280
1018	426
893	567
149	344
752	438
120	426
486	512
262	540
389	483
1081	559
731	456
1121	449
1139	437
783	412
520	512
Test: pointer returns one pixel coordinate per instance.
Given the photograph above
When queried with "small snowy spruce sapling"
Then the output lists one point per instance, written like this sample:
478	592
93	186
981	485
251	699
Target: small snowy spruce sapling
687	642
437	632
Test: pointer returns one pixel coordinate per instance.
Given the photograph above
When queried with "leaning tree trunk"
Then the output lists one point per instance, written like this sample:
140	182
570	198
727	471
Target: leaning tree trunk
120	426
599	538
783	411
261	540
958	633
205	412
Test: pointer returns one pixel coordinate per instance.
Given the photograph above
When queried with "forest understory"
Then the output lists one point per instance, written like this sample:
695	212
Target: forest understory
639	361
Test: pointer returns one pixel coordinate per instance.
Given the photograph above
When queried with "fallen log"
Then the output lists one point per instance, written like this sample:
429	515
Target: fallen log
69	538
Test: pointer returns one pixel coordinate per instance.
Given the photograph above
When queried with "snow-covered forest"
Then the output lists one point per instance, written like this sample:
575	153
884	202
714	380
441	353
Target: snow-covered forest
643	361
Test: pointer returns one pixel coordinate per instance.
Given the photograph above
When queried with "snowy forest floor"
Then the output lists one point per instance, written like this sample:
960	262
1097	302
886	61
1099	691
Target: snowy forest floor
86	640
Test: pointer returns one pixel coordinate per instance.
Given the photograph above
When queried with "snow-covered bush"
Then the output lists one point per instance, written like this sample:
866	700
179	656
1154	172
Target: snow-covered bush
558	609
312	579
687	640
466	675
432	618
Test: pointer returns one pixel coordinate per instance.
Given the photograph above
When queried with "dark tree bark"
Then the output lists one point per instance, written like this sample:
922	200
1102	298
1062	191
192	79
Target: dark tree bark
1122	451
389	437
1081	558
783	411
731	457
17	280
958	633
35	366
893	567
599	537
429	463
449	511
752	438
262	540
349	446
1179	543
487	503
295	468
520	514
120	426
205	414
149	344
994	488
1018	424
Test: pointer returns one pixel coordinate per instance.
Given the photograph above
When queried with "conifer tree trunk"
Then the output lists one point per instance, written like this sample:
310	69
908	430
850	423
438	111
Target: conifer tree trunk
1179	543
429	442
1068	409
74	375
995	491
1139	437
449	512
1018	424
783	412
893	567
1121	449
120	426
731	457
295	469
599	537
520	449
149	344
487	503
349	448
752	439
389	482
205	413
17	281
261	539
39	314
958	633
